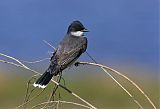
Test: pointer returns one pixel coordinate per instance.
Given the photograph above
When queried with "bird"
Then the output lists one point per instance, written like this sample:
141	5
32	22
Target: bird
68	51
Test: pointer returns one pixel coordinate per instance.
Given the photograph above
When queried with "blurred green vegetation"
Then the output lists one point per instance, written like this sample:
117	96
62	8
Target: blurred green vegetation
94	86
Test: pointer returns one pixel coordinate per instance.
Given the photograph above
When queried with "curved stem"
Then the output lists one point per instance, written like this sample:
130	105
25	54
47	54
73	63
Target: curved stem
122	75
65	102
25	67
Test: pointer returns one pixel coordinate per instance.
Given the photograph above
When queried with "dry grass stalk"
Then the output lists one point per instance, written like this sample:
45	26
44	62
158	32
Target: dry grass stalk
20	64
61	102
104	68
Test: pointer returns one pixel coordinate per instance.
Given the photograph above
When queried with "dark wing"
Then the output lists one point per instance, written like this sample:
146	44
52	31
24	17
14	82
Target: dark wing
68	56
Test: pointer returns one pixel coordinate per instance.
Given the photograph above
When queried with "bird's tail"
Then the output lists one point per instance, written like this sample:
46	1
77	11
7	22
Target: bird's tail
46	77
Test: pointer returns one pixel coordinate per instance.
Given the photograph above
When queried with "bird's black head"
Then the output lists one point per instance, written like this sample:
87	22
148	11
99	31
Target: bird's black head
76	26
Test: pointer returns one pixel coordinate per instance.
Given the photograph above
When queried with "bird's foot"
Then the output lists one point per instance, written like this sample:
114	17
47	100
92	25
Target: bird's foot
76	64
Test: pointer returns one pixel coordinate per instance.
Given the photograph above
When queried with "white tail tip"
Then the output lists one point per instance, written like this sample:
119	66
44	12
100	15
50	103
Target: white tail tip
39	86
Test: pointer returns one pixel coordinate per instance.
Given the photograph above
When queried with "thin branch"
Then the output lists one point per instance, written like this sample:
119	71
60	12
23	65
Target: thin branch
53	91
11	63
27	98
30	100
13	59
123	88
56	87
57	105
122	75
25	67
27	95
62	102
37	61
116	81
75	95
49	44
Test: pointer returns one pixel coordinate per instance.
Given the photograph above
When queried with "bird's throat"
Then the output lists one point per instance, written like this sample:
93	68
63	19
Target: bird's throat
77	33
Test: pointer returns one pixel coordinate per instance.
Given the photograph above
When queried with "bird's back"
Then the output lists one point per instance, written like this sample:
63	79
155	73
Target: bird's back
69	49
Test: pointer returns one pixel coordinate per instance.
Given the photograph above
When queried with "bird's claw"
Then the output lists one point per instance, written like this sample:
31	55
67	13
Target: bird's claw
76	64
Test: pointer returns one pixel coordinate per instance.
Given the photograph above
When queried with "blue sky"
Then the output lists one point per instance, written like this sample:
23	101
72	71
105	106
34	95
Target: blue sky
120	30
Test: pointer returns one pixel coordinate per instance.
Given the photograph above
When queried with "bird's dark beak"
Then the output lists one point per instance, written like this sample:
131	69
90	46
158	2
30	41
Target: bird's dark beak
85	30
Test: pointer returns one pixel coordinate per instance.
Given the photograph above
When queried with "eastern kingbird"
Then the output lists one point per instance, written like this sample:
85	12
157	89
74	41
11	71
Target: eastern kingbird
69	50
